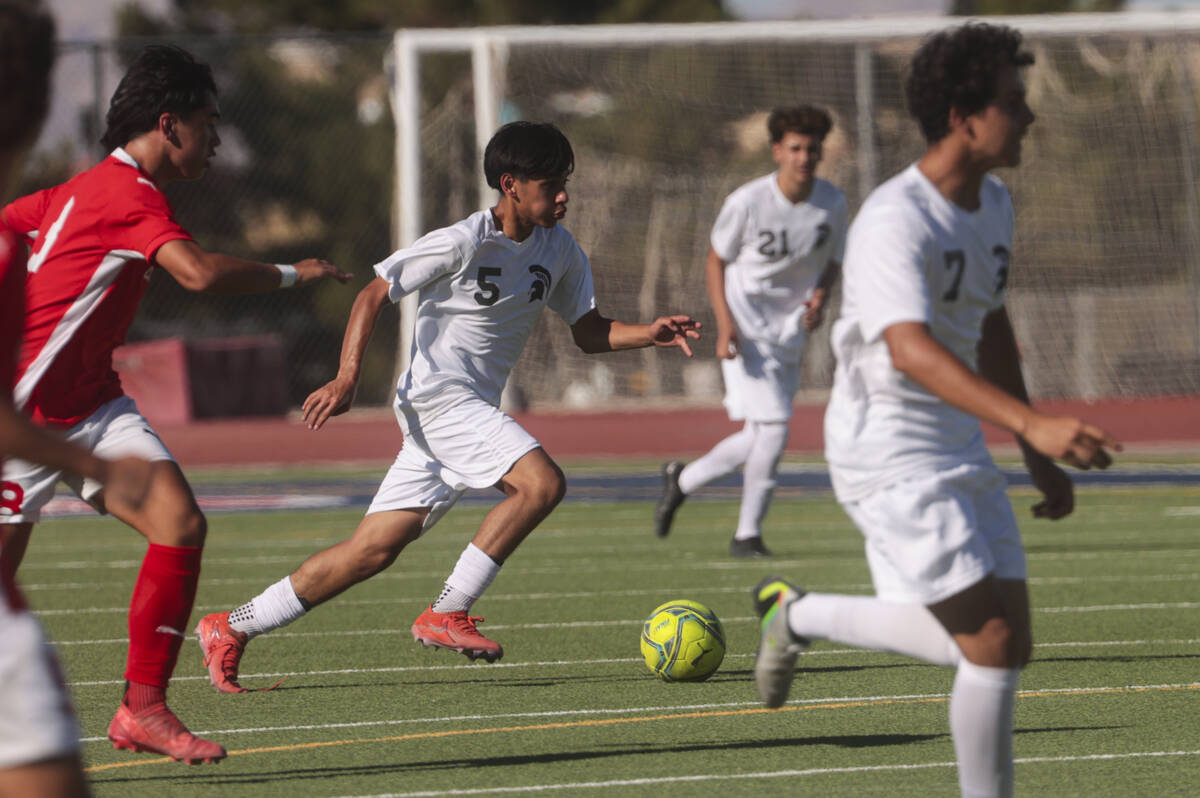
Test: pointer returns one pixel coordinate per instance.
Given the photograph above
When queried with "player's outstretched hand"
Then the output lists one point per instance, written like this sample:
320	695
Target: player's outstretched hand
331	399
1057	491
128	481
814	310
1073	441
674	331
311	270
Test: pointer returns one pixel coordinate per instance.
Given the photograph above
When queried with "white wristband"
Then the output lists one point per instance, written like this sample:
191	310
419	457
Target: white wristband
287	275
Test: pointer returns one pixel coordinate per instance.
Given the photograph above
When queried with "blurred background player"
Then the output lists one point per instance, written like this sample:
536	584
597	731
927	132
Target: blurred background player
924	350
39	739
776	250
96	238
482	284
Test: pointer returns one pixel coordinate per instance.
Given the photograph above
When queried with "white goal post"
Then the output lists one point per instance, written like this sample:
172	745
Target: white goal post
667	119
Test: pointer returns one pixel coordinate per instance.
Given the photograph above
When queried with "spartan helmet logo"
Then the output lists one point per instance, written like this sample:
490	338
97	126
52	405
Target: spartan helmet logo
541	283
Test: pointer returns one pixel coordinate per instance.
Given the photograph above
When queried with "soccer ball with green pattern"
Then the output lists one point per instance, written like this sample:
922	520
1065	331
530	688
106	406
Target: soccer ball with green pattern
682	641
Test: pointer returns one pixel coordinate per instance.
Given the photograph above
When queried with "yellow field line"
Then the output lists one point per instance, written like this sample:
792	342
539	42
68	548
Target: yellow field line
579	724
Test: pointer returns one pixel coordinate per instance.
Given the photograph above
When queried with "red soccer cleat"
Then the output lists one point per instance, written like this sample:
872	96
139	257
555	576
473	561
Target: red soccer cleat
455	631
157	730
222	647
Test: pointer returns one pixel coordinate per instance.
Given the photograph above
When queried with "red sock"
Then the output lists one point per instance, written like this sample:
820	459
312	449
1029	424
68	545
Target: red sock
159	611
140	696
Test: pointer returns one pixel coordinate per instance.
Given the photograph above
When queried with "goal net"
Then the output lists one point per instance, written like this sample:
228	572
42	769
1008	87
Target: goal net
667	120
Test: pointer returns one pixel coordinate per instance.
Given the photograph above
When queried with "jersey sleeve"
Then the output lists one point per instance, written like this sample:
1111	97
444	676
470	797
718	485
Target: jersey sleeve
729	229
24	215
575	294
886	272
145	223
431	257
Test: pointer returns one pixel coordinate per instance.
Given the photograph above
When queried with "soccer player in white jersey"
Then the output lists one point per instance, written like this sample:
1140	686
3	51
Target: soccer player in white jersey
96	240
924	350
481	285
776	249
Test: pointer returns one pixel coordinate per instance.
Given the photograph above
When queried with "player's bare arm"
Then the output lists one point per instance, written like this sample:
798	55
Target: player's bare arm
714	281
814	312
1000	363
128	477
337	395
211	272
594	333
916	353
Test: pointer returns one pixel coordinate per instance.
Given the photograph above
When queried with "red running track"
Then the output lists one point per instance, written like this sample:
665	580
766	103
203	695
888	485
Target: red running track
372	435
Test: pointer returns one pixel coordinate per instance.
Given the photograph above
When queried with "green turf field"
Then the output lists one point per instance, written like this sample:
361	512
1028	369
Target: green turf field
1109	707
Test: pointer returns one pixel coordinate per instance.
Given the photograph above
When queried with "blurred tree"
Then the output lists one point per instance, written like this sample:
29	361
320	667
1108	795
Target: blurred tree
264	16
306	165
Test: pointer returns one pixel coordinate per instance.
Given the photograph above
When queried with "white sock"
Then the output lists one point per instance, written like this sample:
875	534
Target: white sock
868	622
758	478
276	606
724	458
981	723
471	576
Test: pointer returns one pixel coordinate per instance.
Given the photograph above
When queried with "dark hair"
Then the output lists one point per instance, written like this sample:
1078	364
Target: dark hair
527	151
805	120
957	68
26	56
163	79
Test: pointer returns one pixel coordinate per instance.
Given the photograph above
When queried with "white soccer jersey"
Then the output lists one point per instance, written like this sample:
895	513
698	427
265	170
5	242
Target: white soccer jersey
775	251
479	295
912	256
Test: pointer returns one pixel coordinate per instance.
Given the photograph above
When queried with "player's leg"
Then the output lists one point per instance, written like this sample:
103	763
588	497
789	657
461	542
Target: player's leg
927	538
164	590
758	486
730	453
533	487
680	480
39	738
990	632
25	488
375	544
14	539
61	777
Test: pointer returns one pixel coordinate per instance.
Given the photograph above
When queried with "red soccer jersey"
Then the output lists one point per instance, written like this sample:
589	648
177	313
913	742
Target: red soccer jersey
12	314
94	242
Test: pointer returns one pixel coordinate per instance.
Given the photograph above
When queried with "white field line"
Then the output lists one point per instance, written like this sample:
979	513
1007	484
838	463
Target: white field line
582	663
774	774
643	710
633	623
657	591
679	566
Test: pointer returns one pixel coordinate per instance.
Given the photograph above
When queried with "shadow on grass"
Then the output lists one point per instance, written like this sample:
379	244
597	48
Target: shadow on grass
1124	658
854	741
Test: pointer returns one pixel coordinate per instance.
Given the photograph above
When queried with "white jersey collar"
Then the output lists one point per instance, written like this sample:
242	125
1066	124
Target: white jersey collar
124	157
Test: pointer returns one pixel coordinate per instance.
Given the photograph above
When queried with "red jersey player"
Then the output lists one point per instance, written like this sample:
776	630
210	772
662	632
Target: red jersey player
39	739
96	239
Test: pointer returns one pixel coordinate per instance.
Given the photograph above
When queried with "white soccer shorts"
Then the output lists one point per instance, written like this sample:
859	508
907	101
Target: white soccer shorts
115	430
470	445
36	719
932	536
760	382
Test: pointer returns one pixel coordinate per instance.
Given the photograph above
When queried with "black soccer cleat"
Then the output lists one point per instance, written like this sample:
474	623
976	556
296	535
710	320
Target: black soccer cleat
672	497
748	548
